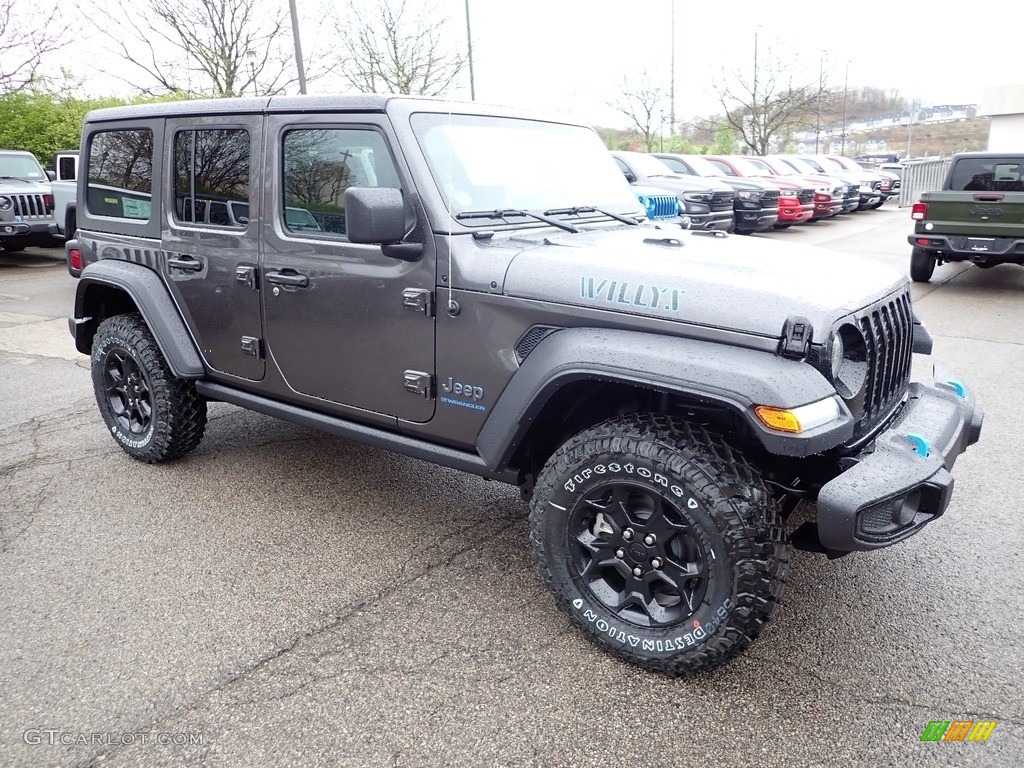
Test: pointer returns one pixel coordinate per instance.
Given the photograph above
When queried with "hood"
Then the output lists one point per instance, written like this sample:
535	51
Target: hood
730	282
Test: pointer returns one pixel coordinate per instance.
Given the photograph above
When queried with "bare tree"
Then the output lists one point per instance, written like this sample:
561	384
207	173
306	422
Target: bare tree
763	104
27	34
641	103
202	47
389	48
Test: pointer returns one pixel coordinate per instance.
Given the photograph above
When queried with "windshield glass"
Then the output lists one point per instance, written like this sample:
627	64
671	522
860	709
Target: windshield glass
647	165
802	166
762	167
745	167
21	167
830	165
488	163
703	167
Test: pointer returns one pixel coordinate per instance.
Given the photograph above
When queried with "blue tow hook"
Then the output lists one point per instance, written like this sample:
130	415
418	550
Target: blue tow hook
958	387
920	444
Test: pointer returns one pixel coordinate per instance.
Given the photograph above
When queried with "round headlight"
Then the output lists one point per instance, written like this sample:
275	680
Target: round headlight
838	351
849	361
5	203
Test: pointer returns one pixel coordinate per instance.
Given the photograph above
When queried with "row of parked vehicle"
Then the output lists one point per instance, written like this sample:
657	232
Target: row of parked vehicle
747	194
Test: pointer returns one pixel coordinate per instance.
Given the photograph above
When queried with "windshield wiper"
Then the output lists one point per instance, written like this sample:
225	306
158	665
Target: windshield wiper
17	178
502	213
576	211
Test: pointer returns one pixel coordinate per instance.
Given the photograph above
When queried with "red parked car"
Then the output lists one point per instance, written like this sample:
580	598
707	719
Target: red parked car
796	198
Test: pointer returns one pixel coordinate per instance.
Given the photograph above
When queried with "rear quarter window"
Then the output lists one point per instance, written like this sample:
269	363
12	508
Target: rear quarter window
120	183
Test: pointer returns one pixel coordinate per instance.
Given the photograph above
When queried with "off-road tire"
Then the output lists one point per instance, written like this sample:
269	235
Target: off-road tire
922	265
153	415
709	518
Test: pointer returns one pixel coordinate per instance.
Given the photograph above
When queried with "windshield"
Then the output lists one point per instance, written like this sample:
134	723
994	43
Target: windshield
762	167
744	167
21	167
831	166
703	167
647	165
801	165
489	163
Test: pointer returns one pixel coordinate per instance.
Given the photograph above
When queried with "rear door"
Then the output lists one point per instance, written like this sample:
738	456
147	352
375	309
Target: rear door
344	323
210	255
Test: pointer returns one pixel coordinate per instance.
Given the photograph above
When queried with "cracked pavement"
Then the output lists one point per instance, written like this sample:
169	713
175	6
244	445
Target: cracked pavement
289	598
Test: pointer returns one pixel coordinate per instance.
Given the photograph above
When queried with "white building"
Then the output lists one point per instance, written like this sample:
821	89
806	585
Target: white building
1005	105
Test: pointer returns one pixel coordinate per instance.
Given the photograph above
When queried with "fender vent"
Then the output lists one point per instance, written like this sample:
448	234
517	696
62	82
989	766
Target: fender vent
529	340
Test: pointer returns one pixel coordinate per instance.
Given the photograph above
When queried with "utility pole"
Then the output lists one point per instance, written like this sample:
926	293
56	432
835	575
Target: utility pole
821	87
846	86
672	88
753	100
298	46
469	46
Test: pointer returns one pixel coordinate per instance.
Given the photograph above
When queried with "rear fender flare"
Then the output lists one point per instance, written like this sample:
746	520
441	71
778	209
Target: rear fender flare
150	295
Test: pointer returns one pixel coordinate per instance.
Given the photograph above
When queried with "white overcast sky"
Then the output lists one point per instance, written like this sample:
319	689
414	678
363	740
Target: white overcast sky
571	56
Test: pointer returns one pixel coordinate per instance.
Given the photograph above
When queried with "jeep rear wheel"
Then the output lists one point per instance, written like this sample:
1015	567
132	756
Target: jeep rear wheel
153	415
660	542
922	264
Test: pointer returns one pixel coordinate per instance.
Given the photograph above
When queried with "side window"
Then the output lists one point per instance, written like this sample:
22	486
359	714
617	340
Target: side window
120	180
211	176
66	169
320	164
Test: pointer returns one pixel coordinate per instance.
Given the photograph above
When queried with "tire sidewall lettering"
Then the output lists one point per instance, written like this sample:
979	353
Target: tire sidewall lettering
707	619
98	360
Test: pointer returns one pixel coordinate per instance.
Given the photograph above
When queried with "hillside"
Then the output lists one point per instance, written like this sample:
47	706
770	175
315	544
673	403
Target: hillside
925	139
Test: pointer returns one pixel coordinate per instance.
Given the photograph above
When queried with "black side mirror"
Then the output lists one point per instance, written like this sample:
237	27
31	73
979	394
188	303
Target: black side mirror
376	216
51	175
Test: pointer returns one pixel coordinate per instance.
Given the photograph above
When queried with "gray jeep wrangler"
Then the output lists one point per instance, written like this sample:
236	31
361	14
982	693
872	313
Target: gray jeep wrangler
26	202
479	288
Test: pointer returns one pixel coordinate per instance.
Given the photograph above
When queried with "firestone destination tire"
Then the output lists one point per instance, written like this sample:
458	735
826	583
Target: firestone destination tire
660	542
153	415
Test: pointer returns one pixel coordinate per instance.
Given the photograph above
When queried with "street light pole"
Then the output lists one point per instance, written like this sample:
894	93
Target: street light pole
846	86
672	88
821	87
469	47
298	46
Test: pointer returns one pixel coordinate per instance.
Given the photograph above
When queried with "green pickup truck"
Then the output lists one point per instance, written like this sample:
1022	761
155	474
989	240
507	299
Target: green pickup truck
977	216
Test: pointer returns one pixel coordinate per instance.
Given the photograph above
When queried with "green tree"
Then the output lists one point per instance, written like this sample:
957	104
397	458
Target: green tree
725	140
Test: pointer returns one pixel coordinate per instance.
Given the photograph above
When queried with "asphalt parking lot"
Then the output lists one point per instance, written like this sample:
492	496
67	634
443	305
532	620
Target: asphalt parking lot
281	597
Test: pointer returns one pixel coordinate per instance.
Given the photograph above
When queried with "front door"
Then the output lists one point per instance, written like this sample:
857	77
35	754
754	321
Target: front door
344	323
210	248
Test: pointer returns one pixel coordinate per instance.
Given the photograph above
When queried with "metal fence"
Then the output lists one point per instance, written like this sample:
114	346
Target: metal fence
921	176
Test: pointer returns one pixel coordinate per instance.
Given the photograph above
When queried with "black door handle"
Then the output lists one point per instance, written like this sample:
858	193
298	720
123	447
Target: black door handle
291	280
186	264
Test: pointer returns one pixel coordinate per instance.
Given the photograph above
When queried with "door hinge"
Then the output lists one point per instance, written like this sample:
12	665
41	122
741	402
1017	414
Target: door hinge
247	275
253	346
418	300
419	383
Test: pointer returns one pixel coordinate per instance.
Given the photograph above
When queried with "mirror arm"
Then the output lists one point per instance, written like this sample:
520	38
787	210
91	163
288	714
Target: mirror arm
403	251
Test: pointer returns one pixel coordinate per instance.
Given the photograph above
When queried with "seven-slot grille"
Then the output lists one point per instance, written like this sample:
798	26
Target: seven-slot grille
29	206
665	207
888	330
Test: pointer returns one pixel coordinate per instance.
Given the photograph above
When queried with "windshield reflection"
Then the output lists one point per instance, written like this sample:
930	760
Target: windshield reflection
485	163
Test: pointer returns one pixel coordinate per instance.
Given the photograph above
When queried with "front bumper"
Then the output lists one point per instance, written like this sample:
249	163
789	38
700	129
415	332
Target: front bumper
901	481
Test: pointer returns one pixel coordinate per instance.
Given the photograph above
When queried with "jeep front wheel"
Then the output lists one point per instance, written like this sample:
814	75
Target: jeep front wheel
153	415
660	542
922	265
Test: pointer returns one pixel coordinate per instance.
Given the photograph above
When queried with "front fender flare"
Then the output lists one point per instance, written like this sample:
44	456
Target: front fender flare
733	377
153	300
